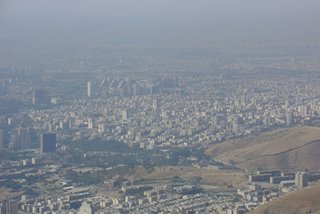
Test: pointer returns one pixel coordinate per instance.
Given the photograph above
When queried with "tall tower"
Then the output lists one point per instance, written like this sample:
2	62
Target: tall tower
88	89
155	105
8	206
40	96
48	143
289	119
1	139
301	179
124	115
24	139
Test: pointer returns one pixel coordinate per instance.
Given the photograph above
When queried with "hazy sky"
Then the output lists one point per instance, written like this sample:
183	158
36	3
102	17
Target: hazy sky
160	8
190	21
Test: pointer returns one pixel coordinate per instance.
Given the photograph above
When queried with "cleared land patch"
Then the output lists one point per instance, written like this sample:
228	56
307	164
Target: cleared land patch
214	177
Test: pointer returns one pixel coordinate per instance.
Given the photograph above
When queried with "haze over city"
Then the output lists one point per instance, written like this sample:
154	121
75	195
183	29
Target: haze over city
69	25
149	106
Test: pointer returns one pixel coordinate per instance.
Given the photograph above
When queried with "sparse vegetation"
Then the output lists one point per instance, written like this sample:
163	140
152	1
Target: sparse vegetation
290	148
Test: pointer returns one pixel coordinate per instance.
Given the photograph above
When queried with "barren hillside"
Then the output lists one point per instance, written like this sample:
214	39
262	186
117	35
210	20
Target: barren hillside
292	148
304	201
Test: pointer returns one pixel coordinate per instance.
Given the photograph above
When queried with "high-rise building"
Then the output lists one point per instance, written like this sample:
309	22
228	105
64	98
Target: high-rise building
88	89
124	115
301	179
1	139
19	138
155	105
2	208
289	119
13	139
90	123
48	143
12	207
8	207
85	208
23	138
303	110
136	91
40	97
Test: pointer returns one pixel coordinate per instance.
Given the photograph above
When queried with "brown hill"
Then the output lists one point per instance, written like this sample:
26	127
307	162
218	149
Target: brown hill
291	148
303	201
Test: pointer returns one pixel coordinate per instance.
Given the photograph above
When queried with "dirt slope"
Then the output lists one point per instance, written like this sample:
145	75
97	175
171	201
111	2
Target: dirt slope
304	201
293	148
